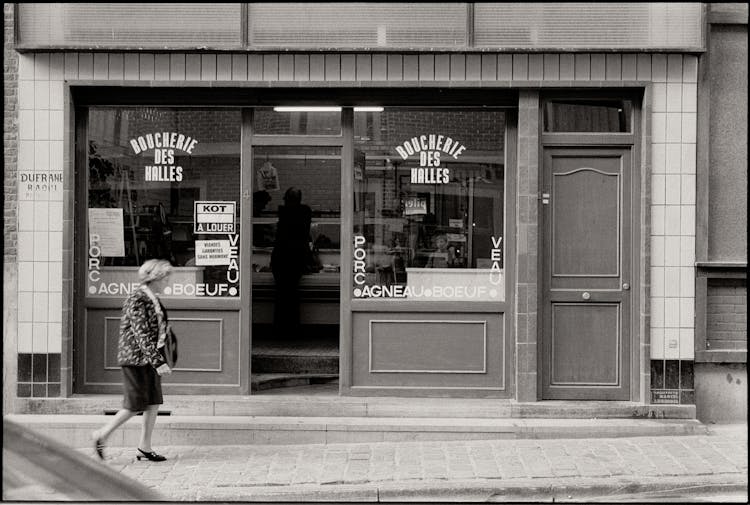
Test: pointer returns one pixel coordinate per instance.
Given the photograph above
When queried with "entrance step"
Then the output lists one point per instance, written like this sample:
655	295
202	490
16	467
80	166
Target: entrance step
309	354
75	430
295	364
327	403
265	381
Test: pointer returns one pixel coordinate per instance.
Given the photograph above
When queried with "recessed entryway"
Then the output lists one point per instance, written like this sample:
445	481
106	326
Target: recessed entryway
296	249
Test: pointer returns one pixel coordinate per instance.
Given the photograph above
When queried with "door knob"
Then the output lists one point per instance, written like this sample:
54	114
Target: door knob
625	286
586	295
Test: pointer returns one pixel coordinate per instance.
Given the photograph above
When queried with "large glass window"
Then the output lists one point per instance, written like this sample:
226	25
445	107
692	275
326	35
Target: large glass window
164	183
429	204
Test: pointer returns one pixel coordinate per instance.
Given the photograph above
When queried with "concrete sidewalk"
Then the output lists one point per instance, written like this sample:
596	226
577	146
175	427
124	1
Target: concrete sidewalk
494	470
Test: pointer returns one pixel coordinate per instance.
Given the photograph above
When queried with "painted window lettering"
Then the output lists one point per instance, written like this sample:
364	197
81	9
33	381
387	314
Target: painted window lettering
164	145
429	147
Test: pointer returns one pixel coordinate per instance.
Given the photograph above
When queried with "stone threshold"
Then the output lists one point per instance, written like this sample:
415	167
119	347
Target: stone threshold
75	430
333	405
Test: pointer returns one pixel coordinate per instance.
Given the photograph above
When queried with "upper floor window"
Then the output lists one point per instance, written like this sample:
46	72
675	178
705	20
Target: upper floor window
365	26
129	25
358	25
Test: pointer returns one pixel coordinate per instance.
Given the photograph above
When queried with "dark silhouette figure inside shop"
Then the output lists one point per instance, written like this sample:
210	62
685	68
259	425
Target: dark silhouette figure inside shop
289	259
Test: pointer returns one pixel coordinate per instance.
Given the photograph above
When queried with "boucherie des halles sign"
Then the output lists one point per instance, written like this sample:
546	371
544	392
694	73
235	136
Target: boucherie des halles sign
164	145
431	149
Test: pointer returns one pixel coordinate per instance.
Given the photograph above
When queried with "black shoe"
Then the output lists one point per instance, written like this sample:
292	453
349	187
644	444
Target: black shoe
151	456
99	448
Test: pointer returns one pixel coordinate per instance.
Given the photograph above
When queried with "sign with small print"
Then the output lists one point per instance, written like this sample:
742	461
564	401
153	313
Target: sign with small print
668	396
212	252
107	226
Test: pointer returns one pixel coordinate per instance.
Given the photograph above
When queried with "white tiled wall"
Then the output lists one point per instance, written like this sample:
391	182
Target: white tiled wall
673	205
673	122
40	224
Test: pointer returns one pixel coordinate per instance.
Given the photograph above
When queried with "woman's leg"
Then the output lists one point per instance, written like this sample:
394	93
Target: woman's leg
103	433
147	429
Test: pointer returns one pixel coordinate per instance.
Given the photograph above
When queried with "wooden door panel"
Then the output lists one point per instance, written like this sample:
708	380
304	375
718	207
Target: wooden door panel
585	340
589	334
585	224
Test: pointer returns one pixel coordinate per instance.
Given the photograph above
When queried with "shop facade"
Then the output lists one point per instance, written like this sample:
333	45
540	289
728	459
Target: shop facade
513	224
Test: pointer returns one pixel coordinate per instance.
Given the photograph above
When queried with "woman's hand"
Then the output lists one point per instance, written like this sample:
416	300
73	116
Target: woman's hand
164	370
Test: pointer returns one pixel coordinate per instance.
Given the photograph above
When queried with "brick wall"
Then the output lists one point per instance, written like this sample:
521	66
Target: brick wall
10	216
726	314
10	136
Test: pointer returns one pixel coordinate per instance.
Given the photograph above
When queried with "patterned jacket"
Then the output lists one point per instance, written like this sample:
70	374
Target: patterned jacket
139	332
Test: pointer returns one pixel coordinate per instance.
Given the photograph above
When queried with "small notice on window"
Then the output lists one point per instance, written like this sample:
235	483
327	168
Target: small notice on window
671	396
212	252
107	229
214	217
415	206
268	177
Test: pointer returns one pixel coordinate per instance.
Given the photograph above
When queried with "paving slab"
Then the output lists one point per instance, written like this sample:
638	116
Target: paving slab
454	471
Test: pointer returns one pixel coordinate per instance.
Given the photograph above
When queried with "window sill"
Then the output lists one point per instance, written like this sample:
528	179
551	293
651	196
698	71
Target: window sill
721	356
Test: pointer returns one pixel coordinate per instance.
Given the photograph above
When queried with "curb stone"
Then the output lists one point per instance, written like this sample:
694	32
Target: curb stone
477	490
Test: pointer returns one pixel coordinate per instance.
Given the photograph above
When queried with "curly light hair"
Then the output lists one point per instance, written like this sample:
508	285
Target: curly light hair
153	270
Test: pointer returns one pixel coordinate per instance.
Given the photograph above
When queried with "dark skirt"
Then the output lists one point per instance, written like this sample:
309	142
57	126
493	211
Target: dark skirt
141	387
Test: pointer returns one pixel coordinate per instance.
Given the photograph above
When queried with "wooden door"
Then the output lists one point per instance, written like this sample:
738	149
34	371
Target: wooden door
586	296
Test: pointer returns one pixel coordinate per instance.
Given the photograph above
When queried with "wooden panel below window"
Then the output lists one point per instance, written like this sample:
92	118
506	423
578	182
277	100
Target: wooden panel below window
431	353
209	353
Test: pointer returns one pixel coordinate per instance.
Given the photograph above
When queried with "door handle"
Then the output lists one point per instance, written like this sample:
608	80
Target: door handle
625	286
586	295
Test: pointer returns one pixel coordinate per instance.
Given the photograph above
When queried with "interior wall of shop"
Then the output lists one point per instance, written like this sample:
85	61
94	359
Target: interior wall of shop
721	284
45	222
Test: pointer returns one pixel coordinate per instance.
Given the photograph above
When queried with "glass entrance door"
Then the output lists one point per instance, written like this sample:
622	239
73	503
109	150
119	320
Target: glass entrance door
296	249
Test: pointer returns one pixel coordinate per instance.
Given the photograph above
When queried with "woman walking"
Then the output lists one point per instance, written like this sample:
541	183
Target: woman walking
143	330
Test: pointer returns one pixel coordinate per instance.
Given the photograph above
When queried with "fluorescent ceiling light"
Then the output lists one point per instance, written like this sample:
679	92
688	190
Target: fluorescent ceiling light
325	108
296	108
